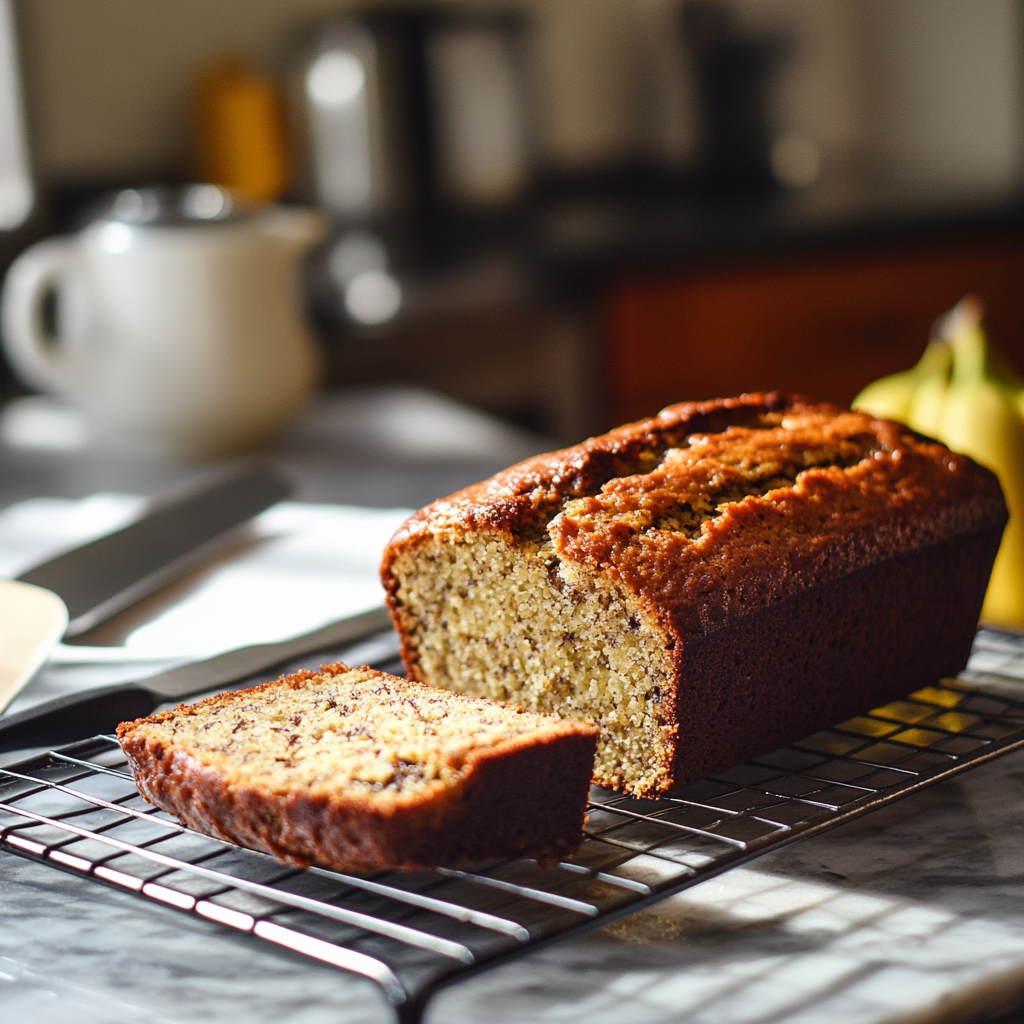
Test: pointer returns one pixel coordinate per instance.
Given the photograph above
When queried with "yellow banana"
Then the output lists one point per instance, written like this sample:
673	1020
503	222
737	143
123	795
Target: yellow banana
981	417
926	403
970	399
891	398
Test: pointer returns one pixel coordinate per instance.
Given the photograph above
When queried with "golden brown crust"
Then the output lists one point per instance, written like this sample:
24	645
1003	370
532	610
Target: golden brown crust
521	796
906	492
784	548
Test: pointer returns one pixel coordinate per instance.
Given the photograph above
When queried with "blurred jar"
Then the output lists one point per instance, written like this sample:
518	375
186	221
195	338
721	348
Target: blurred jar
355	159
405	112
478	81
241	137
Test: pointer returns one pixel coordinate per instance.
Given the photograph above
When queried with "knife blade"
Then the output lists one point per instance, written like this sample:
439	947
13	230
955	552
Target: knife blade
78	715
101	578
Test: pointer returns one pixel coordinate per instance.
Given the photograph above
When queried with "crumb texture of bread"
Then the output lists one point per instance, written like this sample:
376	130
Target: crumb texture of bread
705	585
511	622
358	770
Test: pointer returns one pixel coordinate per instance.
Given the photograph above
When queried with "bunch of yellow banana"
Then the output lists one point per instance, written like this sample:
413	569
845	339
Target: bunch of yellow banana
966	397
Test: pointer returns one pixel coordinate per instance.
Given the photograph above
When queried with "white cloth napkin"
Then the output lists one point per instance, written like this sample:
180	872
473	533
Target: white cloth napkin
300	567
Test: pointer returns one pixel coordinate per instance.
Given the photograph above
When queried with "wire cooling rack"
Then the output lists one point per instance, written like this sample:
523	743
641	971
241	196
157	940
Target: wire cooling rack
76	808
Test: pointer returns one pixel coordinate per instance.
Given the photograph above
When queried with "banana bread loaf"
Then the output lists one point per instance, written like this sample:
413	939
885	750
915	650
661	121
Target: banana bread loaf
705	585
355	769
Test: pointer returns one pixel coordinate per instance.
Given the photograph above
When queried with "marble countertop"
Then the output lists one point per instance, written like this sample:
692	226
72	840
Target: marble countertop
913	913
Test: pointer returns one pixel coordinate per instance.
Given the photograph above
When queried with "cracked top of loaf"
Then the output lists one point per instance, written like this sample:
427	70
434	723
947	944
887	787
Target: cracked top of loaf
710	509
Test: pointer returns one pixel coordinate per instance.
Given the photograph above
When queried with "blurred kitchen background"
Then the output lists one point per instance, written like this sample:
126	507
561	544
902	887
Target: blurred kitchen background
569	213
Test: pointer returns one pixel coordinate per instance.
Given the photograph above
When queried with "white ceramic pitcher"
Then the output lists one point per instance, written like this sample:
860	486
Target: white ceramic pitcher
181	337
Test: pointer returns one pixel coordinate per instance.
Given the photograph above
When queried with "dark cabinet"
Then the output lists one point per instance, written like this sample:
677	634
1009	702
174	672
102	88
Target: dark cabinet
820	325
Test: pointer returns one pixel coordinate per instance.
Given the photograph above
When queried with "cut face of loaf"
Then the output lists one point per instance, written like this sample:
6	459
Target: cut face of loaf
706	585
355	769
508	621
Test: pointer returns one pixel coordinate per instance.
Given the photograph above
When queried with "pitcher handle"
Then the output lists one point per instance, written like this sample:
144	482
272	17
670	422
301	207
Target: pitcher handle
35	356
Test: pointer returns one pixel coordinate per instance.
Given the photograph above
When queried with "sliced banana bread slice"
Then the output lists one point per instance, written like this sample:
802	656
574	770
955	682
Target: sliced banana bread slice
359	770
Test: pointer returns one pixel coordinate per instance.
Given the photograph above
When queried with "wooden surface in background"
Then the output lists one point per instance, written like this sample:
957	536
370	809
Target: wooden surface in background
821	327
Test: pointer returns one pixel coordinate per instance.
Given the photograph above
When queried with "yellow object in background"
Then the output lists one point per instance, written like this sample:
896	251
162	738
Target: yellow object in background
890	397
242	141
961	394
928	399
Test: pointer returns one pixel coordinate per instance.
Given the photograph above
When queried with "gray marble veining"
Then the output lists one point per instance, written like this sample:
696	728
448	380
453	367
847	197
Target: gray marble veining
914	913
78	951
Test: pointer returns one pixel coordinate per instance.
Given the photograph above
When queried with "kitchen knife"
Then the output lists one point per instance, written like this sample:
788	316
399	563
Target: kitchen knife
79	715
32	620
101	578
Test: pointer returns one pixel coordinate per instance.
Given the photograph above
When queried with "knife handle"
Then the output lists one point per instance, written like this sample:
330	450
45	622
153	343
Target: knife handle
69	718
